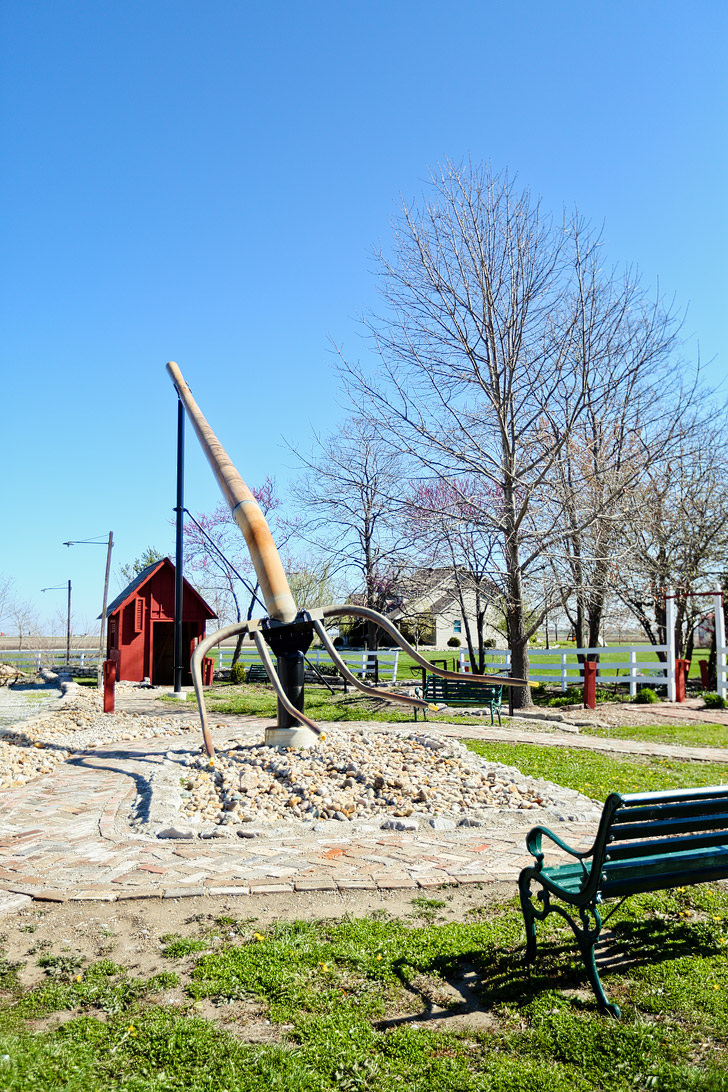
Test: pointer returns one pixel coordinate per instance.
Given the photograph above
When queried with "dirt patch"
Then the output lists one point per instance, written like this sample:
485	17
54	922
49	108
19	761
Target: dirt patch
130	932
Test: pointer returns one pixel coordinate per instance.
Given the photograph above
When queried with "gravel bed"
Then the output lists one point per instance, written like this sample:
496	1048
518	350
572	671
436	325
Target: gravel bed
401	780
30	748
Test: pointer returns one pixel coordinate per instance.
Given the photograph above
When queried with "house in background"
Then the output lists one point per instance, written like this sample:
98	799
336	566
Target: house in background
140	636
428	607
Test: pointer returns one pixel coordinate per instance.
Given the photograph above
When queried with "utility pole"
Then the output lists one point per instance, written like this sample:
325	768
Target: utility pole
100	666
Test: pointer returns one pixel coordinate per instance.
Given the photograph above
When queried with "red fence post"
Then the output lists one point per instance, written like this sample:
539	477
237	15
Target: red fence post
681	673
109	684
704	674
590	684
208	666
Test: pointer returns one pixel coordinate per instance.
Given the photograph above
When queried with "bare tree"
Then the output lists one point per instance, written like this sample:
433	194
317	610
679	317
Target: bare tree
6	597
216	553
474	355
484	367
347	494
444	519
23	619
678	533
623	344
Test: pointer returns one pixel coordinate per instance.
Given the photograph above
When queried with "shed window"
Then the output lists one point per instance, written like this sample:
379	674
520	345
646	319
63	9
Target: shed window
112	632
457	626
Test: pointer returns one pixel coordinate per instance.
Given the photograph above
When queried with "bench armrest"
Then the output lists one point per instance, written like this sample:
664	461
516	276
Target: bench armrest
533	845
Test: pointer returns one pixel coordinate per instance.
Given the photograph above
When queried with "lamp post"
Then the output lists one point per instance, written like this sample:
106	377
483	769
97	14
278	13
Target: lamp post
109	547
58	587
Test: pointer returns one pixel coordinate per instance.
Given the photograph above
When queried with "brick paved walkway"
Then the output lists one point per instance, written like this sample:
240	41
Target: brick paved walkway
65	836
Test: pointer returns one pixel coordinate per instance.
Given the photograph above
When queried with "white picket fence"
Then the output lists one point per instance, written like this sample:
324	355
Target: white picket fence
560	666
359	661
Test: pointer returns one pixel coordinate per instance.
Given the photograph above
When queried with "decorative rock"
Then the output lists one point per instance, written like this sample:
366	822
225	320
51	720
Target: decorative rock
174	832
399	824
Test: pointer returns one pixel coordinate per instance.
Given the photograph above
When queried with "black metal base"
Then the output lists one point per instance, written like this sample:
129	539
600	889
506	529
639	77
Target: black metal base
289	642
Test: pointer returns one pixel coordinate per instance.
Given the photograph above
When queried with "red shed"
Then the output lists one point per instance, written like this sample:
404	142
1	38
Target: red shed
141	626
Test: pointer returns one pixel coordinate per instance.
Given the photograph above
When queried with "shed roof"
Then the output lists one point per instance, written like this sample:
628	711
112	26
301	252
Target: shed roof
141	579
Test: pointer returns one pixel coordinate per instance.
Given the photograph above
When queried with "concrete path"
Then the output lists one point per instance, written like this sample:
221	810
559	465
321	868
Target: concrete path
66	836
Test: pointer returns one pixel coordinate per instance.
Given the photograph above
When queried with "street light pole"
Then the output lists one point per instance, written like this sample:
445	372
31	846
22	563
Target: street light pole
58	587
109	547
68	628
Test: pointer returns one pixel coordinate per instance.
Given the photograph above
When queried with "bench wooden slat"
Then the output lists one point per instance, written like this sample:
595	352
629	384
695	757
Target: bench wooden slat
663	827
667	796
626	851
710	806
617	887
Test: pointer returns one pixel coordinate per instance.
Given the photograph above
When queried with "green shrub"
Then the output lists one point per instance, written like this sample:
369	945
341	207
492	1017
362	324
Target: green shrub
714	701
454	642
237	673
490	643
645	696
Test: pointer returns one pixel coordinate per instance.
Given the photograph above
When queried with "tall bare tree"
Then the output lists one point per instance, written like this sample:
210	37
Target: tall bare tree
624	346
678	532
482	368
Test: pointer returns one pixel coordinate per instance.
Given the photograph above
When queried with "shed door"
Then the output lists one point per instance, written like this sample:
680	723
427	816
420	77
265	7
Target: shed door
163	652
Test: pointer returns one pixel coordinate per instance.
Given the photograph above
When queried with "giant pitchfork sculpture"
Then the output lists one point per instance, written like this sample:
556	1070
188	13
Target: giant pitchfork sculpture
286	630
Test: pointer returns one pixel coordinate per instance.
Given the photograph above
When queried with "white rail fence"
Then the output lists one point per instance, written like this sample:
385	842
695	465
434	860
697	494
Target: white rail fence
33	659
382	664
637	665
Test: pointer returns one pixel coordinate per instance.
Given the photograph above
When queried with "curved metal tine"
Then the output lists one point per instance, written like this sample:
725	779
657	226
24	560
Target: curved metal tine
326	641
278	686
196	667
386	625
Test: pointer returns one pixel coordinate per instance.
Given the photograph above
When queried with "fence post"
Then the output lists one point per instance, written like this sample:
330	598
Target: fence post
109	683
670	642
720	646
590	684
563	672
632	672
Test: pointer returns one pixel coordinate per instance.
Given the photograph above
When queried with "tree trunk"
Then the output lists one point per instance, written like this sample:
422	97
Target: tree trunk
517	639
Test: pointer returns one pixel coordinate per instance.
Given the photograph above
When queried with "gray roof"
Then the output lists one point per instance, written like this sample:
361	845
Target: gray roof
139	579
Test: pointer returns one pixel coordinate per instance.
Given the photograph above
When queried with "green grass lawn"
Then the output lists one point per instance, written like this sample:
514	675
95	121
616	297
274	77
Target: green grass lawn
685	735
596	774
378	1004
253	699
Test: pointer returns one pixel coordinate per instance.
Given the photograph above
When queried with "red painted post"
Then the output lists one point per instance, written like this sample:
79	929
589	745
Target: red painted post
208	665
590	684
681	673
704	674
109	684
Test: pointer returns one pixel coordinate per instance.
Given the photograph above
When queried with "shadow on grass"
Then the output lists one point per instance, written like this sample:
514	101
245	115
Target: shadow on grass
482	981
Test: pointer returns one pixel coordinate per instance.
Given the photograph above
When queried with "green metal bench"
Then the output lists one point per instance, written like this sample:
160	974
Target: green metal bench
467	692
645	842
257	673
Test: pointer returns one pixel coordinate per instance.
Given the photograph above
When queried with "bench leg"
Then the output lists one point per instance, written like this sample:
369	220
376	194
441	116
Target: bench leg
586	938
586	935
529	917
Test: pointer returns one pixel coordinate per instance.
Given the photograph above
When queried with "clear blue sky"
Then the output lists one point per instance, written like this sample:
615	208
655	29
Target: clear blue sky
203	182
